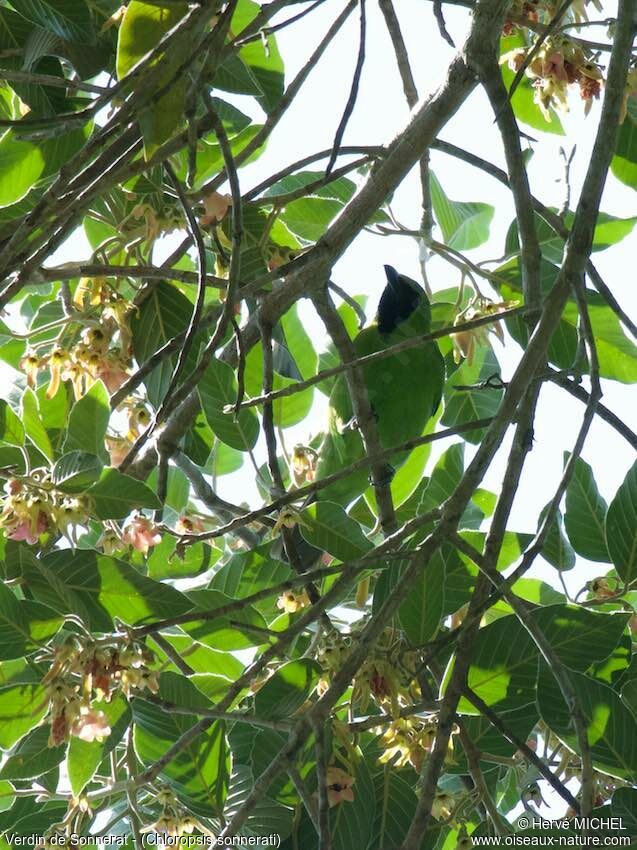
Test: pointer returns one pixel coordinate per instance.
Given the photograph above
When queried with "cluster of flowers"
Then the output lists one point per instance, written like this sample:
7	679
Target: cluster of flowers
32	506
407	741
303	464
173	821
83	672
139	532
558	63
466	343
523	13
102	351
387	676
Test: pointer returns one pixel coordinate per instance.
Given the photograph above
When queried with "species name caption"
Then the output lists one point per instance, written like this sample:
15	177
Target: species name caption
150	839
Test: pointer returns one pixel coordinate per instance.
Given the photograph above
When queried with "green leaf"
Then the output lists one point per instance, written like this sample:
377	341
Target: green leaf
33	426
115	495
249	572
610	725
88	421
225	633
462	406
585	516
464	224
504	662
143	27
84	758
624	163
24	625
395	806
261	56
76	471
22	705
267	817
218	388
166	560
421	612
557	549
32	757
97	588
25	162
199	773
624	806
286	691
68	19
621	527
11	428
163	315
327	526
609	230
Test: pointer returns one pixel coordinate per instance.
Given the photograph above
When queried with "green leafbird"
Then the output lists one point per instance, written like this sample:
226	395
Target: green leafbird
404	389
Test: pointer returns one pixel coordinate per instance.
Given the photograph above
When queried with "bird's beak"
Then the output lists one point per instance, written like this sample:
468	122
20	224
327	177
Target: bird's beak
392	276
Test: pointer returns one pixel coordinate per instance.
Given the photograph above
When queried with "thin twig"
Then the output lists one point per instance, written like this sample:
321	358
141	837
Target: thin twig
353	94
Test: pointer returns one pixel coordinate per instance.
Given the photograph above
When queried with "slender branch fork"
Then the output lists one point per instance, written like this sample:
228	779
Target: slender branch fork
112	155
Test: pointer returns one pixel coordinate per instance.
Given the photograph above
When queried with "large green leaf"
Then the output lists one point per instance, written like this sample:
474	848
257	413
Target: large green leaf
218	388
68	19
32	757
249	572
98	588
504	661
261	56
585	515
609	230
11	428
164	314
621	527
143	27
610	725
24	624
225	633
462	406
557	549
199	773
25	162
286	691
76	471
33	424
624	163
115	495
616	353
327	526
22	705
88	422
421	613
464	224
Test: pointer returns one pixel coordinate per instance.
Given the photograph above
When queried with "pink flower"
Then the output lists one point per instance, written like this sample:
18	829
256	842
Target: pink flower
91	726
28	530
141	534
112	375
339	786
216	207
553	66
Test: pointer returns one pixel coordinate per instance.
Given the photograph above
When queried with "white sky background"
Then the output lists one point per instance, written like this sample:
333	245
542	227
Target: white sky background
380	113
